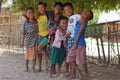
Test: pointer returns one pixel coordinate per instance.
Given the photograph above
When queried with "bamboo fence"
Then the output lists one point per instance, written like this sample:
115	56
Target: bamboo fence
103	40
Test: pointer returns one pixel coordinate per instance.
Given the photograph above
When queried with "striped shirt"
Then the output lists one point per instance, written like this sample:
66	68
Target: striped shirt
30	30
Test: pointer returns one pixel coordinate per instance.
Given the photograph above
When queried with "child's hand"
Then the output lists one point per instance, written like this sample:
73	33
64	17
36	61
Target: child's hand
67	35
21	45
75	46
48	47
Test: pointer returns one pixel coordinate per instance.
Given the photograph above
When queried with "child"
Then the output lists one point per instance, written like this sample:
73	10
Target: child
29	33
77	54
43	31
73	18
53	18
57	54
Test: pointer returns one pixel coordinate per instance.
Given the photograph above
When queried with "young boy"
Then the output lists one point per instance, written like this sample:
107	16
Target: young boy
43	30
73	18
77	54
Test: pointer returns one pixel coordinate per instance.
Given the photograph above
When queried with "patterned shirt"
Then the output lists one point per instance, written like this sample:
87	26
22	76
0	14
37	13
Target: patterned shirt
31	33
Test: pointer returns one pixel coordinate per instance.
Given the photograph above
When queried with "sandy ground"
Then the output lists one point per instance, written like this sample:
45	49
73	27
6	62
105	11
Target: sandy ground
12	68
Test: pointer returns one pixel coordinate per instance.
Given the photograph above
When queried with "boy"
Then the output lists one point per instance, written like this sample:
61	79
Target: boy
43	30
73	18
77	54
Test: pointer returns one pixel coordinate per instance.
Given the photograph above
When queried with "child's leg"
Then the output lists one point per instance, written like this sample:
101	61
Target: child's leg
41	48
26	64
85	69
80	76
72	71
51	70
34	62
67	67
59	68
40	61
54	69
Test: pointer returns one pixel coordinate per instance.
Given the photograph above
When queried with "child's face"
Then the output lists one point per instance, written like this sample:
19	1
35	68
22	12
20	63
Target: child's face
68	10
63	24
30	14
57	9
85	15
41	9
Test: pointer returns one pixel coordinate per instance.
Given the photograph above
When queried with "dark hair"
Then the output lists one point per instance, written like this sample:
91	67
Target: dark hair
42	3
62	18
68	4
29	8
91	14
58	4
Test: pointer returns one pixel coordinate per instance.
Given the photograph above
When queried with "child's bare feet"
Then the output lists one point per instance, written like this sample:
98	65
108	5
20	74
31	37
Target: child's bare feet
26	70
48	68
39	70
71	77
85	75
67	74
61	75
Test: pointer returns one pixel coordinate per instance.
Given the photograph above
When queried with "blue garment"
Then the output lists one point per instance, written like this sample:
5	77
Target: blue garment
81	41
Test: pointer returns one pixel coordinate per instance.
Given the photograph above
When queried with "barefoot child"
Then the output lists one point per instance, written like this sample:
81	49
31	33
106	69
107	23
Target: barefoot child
73	18
43	31
58	50
29	32
77	54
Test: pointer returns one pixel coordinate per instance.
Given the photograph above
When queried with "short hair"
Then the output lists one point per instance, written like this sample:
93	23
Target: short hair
42	3
68	4
62	18
58	4
91	14
29	8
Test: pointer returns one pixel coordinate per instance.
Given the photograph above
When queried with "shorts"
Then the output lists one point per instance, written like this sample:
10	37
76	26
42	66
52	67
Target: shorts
44	41
70	43
57	56
78	55
40	38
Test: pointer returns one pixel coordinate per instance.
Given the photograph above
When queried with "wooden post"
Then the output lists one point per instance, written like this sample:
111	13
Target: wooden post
108	44
102	47
97	45
117	44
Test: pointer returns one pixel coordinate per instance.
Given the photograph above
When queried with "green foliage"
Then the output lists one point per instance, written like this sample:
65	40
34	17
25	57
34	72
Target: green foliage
96	5
102	5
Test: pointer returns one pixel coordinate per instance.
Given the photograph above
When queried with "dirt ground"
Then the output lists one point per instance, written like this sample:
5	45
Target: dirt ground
12	68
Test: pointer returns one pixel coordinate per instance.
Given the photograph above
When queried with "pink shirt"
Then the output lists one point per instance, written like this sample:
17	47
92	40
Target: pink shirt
59	36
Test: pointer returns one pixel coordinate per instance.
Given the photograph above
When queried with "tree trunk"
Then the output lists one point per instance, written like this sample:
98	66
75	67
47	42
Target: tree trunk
0	4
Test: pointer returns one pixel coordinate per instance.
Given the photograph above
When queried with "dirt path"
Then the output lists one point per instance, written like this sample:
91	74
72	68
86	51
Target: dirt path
12	68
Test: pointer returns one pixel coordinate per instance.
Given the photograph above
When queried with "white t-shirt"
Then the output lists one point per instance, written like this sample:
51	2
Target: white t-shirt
72	22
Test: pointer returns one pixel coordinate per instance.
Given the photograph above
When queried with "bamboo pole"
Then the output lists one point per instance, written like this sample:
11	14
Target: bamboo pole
97	45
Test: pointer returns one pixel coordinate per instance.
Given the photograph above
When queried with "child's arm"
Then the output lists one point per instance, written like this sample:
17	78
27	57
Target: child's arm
22	40
78	37
22	32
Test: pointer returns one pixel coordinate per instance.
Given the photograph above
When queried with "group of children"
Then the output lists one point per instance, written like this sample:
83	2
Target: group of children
57	38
